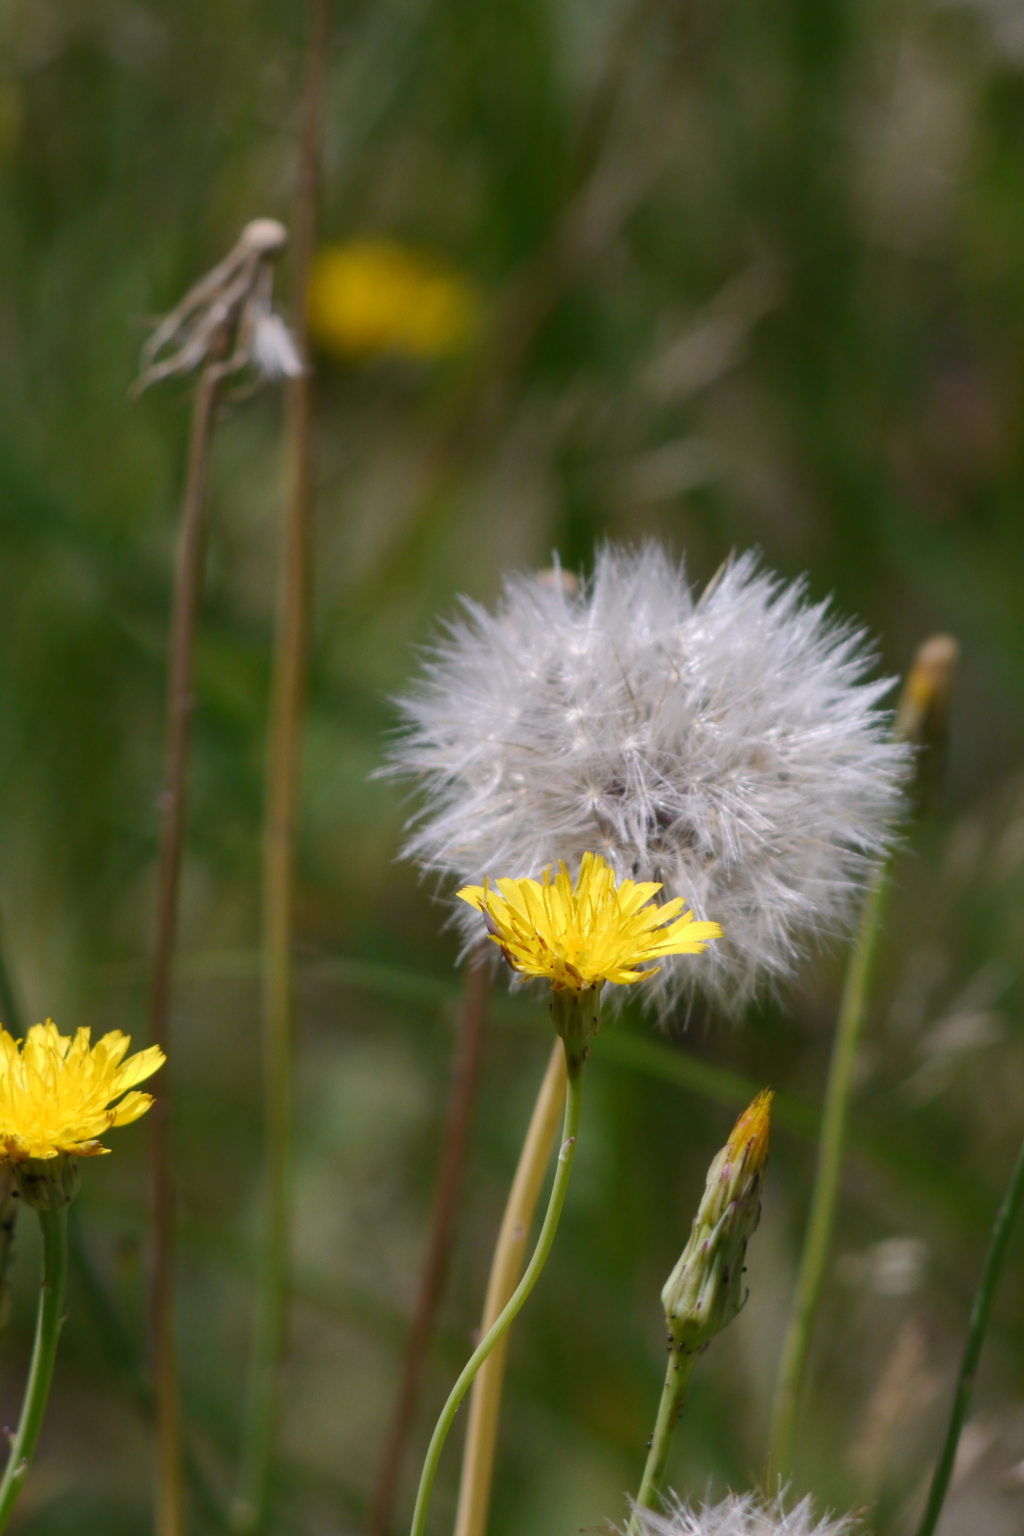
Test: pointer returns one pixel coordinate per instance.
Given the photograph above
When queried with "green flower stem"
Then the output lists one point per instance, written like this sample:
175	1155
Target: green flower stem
44	1353
980	1314
921	719
574	1058
677	1377
821	1220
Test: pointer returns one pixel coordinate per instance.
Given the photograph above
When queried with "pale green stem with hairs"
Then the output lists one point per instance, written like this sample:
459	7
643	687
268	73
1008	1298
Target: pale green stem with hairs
677	1378
54	1225
574	1059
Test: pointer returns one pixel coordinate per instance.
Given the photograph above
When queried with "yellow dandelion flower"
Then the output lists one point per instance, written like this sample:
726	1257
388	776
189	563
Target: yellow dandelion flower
372	297
57	1093
581	936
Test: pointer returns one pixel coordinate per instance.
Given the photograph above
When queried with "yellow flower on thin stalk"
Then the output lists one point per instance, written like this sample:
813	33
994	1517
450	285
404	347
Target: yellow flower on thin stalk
371	298
58	1095
582	935
579	937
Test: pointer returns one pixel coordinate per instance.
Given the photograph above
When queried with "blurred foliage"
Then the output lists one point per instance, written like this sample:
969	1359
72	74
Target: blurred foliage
753	275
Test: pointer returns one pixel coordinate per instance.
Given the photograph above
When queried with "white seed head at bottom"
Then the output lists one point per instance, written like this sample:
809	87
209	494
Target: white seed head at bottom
744	1515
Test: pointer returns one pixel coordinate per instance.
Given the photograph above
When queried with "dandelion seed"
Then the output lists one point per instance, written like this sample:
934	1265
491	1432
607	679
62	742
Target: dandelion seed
728	748
742	1515
228	314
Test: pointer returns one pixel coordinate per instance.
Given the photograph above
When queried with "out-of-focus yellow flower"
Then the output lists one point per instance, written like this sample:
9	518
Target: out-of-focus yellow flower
581	936
57	1092
371	297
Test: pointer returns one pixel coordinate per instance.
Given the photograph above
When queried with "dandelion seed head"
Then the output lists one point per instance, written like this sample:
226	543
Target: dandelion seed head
732	748
742	1515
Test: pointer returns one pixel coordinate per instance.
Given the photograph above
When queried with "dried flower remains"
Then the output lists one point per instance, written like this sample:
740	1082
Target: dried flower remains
228	318
729	748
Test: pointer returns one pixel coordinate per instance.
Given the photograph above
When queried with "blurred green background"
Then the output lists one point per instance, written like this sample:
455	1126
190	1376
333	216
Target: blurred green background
756	276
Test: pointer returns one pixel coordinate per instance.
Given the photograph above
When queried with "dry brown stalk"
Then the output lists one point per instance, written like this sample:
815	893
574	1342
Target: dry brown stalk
188	589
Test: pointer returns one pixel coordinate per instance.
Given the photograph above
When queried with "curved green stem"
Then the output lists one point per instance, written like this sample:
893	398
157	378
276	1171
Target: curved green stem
978	1327
504	1320
677	1376
44	1353
818	1238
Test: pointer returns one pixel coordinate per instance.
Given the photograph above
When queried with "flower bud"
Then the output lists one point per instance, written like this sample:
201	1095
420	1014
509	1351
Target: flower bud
705	1290
48	1183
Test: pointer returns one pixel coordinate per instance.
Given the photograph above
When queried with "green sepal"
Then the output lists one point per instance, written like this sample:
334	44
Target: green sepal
576	1016
48	1183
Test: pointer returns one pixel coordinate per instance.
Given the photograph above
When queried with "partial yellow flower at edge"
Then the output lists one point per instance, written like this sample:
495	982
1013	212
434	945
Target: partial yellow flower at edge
57	1092
368	298
584	935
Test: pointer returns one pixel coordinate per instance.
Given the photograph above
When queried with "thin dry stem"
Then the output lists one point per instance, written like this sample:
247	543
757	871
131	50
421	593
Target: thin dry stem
188	587
472	1024
506	1267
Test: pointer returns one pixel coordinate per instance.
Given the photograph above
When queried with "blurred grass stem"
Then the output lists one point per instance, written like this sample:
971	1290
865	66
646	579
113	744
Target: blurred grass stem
981	1311
54	1226
250	1507
920	718
506	1267
574	1060
122	1352
821	1220
12	1020
473	1015
184	619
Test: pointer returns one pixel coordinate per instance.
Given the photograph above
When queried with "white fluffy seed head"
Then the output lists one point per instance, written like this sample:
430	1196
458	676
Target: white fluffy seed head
729	747
743	1515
